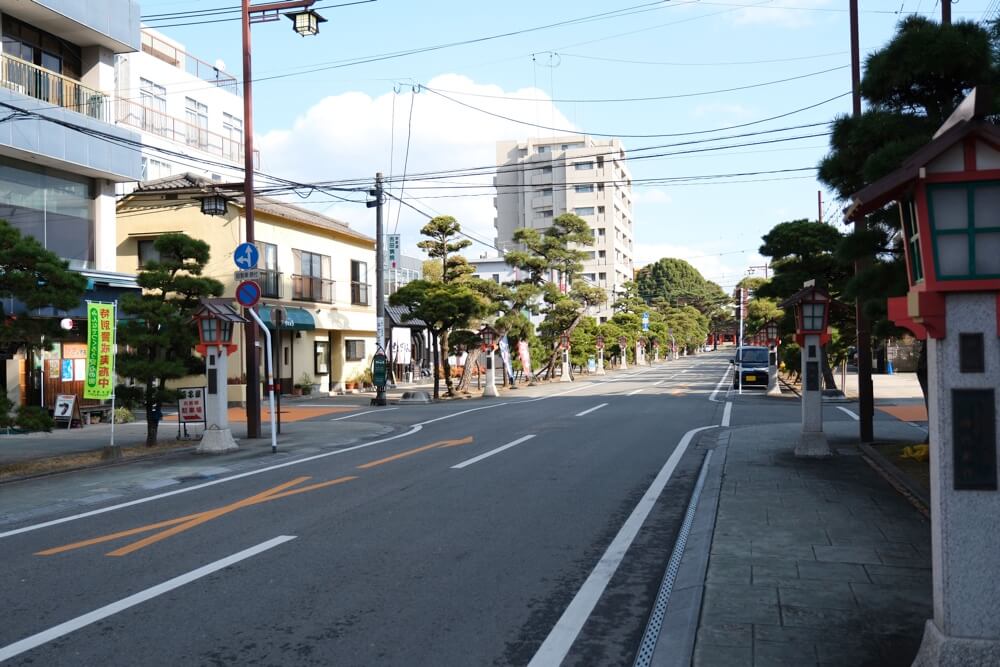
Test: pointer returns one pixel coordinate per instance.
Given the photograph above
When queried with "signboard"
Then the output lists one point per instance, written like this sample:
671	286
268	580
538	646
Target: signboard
380	330
66	409
191	404
255	275
645	321
248	293
246	256
67	370
100	351
392	256
380	370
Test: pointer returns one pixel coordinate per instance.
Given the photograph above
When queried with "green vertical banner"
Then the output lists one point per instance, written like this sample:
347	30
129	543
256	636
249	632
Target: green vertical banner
100	350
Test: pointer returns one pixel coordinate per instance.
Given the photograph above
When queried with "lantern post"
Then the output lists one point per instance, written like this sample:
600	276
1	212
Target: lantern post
488	335
216	320
946	194
564	343
812	310
773	340
623	346
600	354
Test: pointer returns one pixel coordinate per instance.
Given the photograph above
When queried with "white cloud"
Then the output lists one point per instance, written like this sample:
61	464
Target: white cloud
347	136
786	16
651	196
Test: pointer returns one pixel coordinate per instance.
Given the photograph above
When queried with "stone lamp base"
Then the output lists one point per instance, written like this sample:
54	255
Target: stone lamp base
813	445
939	650
217	441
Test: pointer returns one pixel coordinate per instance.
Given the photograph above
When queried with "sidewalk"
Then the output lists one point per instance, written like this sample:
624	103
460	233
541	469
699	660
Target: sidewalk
811	562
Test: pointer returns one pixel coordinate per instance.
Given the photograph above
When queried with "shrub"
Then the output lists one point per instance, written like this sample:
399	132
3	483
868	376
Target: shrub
33	418
123	416
6	419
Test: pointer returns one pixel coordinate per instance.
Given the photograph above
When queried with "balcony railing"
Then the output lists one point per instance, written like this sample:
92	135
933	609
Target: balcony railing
157	122
42	84
359	293
185	61
311	288
270	284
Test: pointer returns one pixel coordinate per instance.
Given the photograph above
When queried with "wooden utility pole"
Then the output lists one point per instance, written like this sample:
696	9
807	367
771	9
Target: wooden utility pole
866	392
945	12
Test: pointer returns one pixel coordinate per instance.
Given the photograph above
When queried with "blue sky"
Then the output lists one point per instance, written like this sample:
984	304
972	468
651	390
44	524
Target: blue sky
344	121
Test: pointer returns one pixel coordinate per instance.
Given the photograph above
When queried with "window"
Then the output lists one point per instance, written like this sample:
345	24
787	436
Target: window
600	187
270	281
588	187
153	98
582	166
600	210
601	254
965	230
602	276
232	132
545	192
603	320
359	283
600	232
153	169
42	49
584	210
547	213
543	149
589	277
812	316
196	115
354	349
310	281
600	161
147	252
547	170
321	356
909	215
496	277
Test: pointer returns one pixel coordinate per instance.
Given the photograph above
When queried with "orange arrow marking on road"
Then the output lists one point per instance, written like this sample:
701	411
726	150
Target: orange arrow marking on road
416	450
183	523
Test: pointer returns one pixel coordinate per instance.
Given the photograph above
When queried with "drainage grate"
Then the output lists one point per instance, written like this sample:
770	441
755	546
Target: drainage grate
652	634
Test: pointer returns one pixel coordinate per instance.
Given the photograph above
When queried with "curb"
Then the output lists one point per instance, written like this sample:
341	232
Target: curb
896	477
96	466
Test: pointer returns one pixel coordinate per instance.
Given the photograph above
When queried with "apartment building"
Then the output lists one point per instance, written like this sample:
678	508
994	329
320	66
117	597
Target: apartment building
316	270
188	112
540	179
61	155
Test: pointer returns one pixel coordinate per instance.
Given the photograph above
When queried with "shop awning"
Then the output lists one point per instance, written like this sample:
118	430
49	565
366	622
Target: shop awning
296	319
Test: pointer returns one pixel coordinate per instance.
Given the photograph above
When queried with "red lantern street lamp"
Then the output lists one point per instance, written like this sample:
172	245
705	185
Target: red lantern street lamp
488	335
812	312
599	341
216	319
567	375
771	331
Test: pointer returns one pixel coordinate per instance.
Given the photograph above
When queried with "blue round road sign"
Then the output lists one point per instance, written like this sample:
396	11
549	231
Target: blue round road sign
248	293
246	256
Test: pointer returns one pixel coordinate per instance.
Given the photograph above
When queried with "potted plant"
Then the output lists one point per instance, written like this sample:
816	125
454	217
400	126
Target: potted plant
305	383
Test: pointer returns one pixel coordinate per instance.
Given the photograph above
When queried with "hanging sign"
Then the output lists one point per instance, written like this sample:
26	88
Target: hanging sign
100	351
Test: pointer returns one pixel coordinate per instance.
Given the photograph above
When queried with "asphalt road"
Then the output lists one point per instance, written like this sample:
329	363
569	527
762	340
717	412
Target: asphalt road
528	529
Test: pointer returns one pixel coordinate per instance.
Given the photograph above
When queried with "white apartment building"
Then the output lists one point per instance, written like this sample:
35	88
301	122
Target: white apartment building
540	179
181	104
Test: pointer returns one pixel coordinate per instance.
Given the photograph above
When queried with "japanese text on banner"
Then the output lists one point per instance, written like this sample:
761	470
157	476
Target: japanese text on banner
100	351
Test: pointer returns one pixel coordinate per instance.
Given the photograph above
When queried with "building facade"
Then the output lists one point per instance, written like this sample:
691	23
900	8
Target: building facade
539	179
316	271
188	112
61	155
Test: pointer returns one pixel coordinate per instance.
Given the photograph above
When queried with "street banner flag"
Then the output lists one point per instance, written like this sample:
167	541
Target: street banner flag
525	355
505	356
100	351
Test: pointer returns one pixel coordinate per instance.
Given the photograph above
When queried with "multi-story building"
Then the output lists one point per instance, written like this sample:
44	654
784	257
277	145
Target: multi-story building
188	112
61	153
540	179
314	268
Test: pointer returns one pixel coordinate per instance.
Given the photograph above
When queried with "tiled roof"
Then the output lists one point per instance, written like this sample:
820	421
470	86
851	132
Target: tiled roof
397	315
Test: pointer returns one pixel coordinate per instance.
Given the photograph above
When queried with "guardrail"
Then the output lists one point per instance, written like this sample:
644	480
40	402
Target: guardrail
61	91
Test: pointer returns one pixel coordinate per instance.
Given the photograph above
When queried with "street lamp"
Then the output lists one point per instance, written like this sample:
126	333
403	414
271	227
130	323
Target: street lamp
306	23
623	346
267	11
213	204
216	318
489	336
564	343
812	308
771	335
599	342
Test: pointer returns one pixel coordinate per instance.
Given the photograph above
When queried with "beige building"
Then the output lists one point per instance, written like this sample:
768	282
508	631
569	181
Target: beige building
540	179
313	267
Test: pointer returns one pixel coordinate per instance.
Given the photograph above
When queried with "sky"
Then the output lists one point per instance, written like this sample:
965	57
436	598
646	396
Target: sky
693	88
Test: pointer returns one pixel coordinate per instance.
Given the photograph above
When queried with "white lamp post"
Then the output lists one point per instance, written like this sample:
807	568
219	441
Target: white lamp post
489	336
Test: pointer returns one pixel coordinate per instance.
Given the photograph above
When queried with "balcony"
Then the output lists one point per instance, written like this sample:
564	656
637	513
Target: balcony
359	293
270	284
159	123
544	201
185	61
42	84
312	288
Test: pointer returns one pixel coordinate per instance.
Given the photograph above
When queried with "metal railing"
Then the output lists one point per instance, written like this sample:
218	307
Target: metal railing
359	293
157	122
270	284
185	61
42	84
312	288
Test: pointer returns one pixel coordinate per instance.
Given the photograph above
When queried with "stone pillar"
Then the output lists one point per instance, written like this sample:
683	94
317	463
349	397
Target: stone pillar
600	361
490	390
963	373
812	441
565	377
772	372
624	364
217	437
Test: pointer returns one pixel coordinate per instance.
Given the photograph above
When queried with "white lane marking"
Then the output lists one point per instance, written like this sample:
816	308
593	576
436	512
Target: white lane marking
634	392
358	414
463	412
658	383
719	386
490	453
292	404
55	632
556	646
727	414
589	410
922	428
849	413
562	393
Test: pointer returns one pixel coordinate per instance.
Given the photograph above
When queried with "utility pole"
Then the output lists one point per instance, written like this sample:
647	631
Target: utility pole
379	278
945	12
866	392
819	206
250	329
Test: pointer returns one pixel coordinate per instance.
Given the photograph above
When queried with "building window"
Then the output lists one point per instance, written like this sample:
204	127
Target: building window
153	169
542	149
496	278
584	210
41	49
545	192
582	166
359	283
602	276
601	254
588	187
153	98
147	252
196	115
270	280
547	213
310	280
547	170
600	210
321	355
600	232
354	350
232	132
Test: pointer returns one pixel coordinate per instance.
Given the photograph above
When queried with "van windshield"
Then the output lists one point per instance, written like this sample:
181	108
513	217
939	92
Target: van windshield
753	355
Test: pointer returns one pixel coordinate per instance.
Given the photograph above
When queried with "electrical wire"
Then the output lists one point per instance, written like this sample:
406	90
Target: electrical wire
714	64
185	17
406	158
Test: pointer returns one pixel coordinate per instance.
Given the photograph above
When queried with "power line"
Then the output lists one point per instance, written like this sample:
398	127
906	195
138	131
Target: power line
406	158
713	64
184	17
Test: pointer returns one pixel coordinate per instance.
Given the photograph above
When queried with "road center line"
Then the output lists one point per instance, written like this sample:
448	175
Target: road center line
589	410
358	414
490	453
556	646
849	413
727	413
89	618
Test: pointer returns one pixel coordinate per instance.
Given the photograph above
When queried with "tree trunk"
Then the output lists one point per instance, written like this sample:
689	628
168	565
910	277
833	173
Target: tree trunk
555	350
434	354
829	381
922	370
152	424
